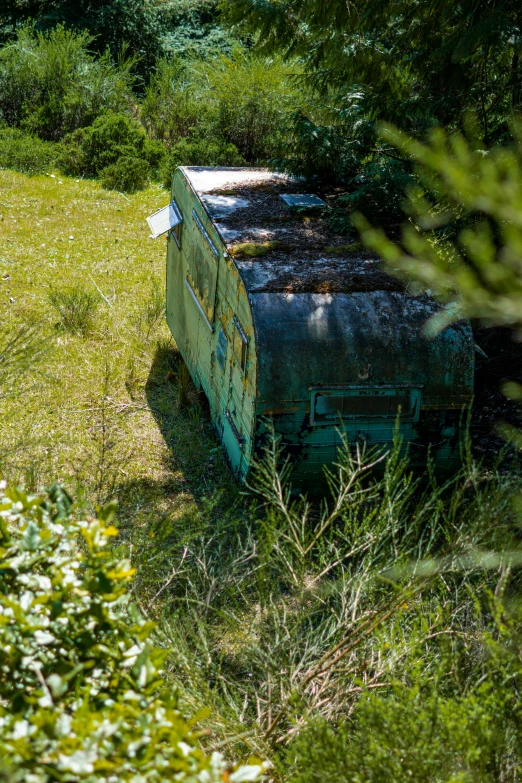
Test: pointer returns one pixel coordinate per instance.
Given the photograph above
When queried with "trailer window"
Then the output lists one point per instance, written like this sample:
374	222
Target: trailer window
165	219
221	350
175	233
332	405
240	344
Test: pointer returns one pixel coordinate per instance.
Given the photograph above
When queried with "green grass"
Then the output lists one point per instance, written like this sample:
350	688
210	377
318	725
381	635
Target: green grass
278	614
103	414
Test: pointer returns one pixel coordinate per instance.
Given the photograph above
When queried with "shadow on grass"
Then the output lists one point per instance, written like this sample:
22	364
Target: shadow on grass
195	466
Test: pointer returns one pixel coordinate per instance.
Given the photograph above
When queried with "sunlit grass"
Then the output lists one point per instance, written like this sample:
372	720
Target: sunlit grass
102	414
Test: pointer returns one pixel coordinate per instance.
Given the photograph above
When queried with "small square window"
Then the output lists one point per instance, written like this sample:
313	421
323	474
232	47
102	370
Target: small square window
240	343
221	350
175	233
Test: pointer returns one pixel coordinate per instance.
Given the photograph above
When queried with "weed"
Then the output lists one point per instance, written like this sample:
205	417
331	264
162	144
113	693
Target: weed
153	311
103	460
22	349
76	308
285	610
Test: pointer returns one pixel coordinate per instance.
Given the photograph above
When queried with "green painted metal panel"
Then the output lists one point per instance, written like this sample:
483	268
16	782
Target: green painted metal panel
199	269
351	344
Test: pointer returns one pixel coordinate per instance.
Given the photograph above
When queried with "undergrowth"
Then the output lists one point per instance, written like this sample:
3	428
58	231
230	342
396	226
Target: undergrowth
281	614
319	636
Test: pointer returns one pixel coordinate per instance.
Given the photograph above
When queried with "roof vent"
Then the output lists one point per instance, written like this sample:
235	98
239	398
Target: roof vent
164	219
302	201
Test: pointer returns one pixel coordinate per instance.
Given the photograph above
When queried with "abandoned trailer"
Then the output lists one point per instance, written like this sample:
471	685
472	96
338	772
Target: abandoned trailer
280	320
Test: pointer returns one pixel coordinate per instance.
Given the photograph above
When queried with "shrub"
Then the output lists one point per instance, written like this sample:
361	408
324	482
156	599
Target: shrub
421	734
50	84
98	149
243	100
76	308
379	192
253	98
82	696
128	174
199	152
173	105
26	153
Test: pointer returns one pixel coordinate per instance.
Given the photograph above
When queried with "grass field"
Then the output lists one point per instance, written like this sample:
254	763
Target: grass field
278	615
102	412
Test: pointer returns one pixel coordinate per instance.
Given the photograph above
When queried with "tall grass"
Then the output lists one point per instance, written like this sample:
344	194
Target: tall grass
76	308
280	612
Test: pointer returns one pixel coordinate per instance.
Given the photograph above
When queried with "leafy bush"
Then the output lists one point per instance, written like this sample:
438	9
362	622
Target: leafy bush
76	308
115	147
128	174
199	152
429	732
22	152
50	84
82	696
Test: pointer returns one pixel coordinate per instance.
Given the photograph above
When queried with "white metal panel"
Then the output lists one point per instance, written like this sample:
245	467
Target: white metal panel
164	219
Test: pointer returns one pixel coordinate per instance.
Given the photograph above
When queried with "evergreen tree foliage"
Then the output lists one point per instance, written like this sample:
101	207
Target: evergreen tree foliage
417	65
464	236
117	25
420	63
192	28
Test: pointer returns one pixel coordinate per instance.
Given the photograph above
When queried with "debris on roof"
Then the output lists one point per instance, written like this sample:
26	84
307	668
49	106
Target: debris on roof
280	249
